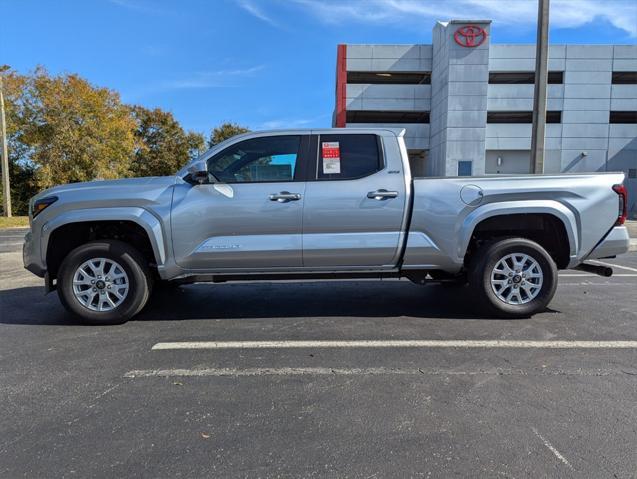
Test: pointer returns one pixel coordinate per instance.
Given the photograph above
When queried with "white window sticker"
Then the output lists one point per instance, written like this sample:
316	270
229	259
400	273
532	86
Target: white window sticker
331	153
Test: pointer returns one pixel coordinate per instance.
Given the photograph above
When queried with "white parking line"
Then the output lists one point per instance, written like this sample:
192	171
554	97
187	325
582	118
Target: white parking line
324	371
627	268
581	275
552	448
607	284
513	344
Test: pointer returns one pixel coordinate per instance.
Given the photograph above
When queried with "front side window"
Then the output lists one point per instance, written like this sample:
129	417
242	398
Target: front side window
265	159
347	157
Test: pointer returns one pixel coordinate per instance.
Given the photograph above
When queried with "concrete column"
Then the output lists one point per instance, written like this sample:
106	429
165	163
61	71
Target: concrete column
459	82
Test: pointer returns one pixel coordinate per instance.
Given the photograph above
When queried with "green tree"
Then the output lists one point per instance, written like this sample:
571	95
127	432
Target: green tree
21	171
162	145
196	144
75	131
61	129
225	131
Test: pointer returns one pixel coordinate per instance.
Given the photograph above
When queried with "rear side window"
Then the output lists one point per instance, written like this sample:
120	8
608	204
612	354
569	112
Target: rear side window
347	157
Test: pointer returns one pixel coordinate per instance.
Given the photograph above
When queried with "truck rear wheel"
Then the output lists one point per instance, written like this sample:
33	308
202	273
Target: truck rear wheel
513	278
104	282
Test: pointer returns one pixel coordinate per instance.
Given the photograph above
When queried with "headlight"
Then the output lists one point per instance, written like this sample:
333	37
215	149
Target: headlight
43	203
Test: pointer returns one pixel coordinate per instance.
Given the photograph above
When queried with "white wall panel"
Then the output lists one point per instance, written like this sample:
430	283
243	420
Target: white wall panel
625	52
589	51
624	91
590	116
625	65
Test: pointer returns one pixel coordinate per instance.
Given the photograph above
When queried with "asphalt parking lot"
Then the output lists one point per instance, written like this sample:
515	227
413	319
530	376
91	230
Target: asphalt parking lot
169	395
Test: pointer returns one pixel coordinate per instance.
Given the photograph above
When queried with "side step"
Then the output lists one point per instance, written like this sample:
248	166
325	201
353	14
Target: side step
596	269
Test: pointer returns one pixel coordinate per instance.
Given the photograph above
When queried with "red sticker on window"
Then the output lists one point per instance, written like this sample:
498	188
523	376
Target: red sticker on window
331	157
331	149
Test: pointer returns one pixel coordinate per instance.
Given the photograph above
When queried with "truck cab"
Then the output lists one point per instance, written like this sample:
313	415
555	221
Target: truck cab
318	200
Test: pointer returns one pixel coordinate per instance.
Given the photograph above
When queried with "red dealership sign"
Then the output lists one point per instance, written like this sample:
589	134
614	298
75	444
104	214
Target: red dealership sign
470	36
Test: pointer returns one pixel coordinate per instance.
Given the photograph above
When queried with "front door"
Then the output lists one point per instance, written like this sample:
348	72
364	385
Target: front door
354	203
250	213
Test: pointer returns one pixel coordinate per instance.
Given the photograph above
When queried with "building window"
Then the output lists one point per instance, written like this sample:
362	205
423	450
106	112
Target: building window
465	168
521	117
372	116
624	78
623	117
508	78
347	157
382	78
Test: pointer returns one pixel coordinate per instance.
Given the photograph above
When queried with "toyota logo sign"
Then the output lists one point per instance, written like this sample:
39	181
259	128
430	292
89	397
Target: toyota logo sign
470	36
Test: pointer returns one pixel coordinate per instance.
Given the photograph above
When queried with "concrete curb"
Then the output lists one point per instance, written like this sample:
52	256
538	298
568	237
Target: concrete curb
633	244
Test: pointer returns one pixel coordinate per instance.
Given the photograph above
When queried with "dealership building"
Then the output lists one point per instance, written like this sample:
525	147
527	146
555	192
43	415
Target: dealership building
466	103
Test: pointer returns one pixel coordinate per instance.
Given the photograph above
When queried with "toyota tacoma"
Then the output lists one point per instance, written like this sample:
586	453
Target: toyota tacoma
320	204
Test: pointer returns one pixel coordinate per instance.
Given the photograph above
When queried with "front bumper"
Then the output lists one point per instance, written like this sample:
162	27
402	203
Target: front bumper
31	255
617	241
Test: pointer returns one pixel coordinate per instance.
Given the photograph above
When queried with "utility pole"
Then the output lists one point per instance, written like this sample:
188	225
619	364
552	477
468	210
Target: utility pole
6	191
539	96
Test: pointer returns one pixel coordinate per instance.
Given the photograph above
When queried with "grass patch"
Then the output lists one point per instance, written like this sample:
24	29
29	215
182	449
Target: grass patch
14	222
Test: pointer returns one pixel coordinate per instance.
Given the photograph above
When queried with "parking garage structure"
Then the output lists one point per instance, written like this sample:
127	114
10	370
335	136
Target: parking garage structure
466	103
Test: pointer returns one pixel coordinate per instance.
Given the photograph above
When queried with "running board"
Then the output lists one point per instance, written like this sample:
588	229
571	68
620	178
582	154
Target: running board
223	278
596	269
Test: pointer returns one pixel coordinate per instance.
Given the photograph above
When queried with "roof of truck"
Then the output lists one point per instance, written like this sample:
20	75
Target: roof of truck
280	131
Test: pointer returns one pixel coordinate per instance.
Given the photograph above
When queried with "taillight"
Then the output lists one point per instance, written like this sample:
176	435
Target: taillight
623	204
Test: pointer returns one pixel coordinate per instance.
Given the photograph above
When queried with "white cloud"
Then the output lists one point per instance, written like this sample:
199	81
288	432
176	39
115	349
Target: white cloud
564	13
140	6
228	78
254	10
290	123
210	79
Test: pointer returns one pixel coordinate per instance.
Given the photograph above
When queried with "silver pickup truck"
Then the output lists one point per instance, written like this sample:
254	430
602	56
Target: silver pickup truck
320	204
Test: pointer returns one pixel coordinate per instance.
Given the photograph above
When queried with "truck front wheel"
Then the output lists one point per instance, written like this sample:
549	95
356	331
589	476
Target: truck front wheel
513	278
104	282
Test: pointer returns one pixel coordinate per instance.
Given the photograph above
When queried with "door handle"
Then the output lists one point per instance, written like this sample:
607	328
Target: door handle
285	196
382	195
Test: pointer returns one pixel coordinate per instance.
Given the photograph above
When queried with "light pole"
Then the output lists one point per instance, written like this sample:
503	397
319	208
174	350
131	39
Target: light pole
6	191
539	95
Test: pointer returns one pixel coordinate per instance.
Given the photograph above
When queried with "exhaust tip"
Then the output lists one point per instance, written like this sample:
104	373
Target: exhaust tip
599	270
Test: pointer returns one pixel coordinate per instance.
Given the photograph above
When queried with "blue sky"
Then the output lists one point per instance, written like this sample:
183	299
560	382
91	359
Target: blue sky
261	63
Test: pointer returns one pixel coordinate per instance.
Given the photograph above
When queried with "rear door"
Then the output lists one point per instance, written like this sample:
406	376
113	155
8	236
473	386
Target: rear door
354	203
250	216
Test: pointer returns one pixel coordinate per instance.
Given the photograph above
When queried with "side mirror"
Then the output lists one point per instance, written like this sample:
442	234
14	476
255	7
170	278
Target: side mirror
198	172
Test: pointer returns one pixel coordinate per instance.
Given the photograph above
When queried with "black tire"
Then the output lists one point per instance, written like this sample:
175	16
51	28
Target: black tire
133	263
486	259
